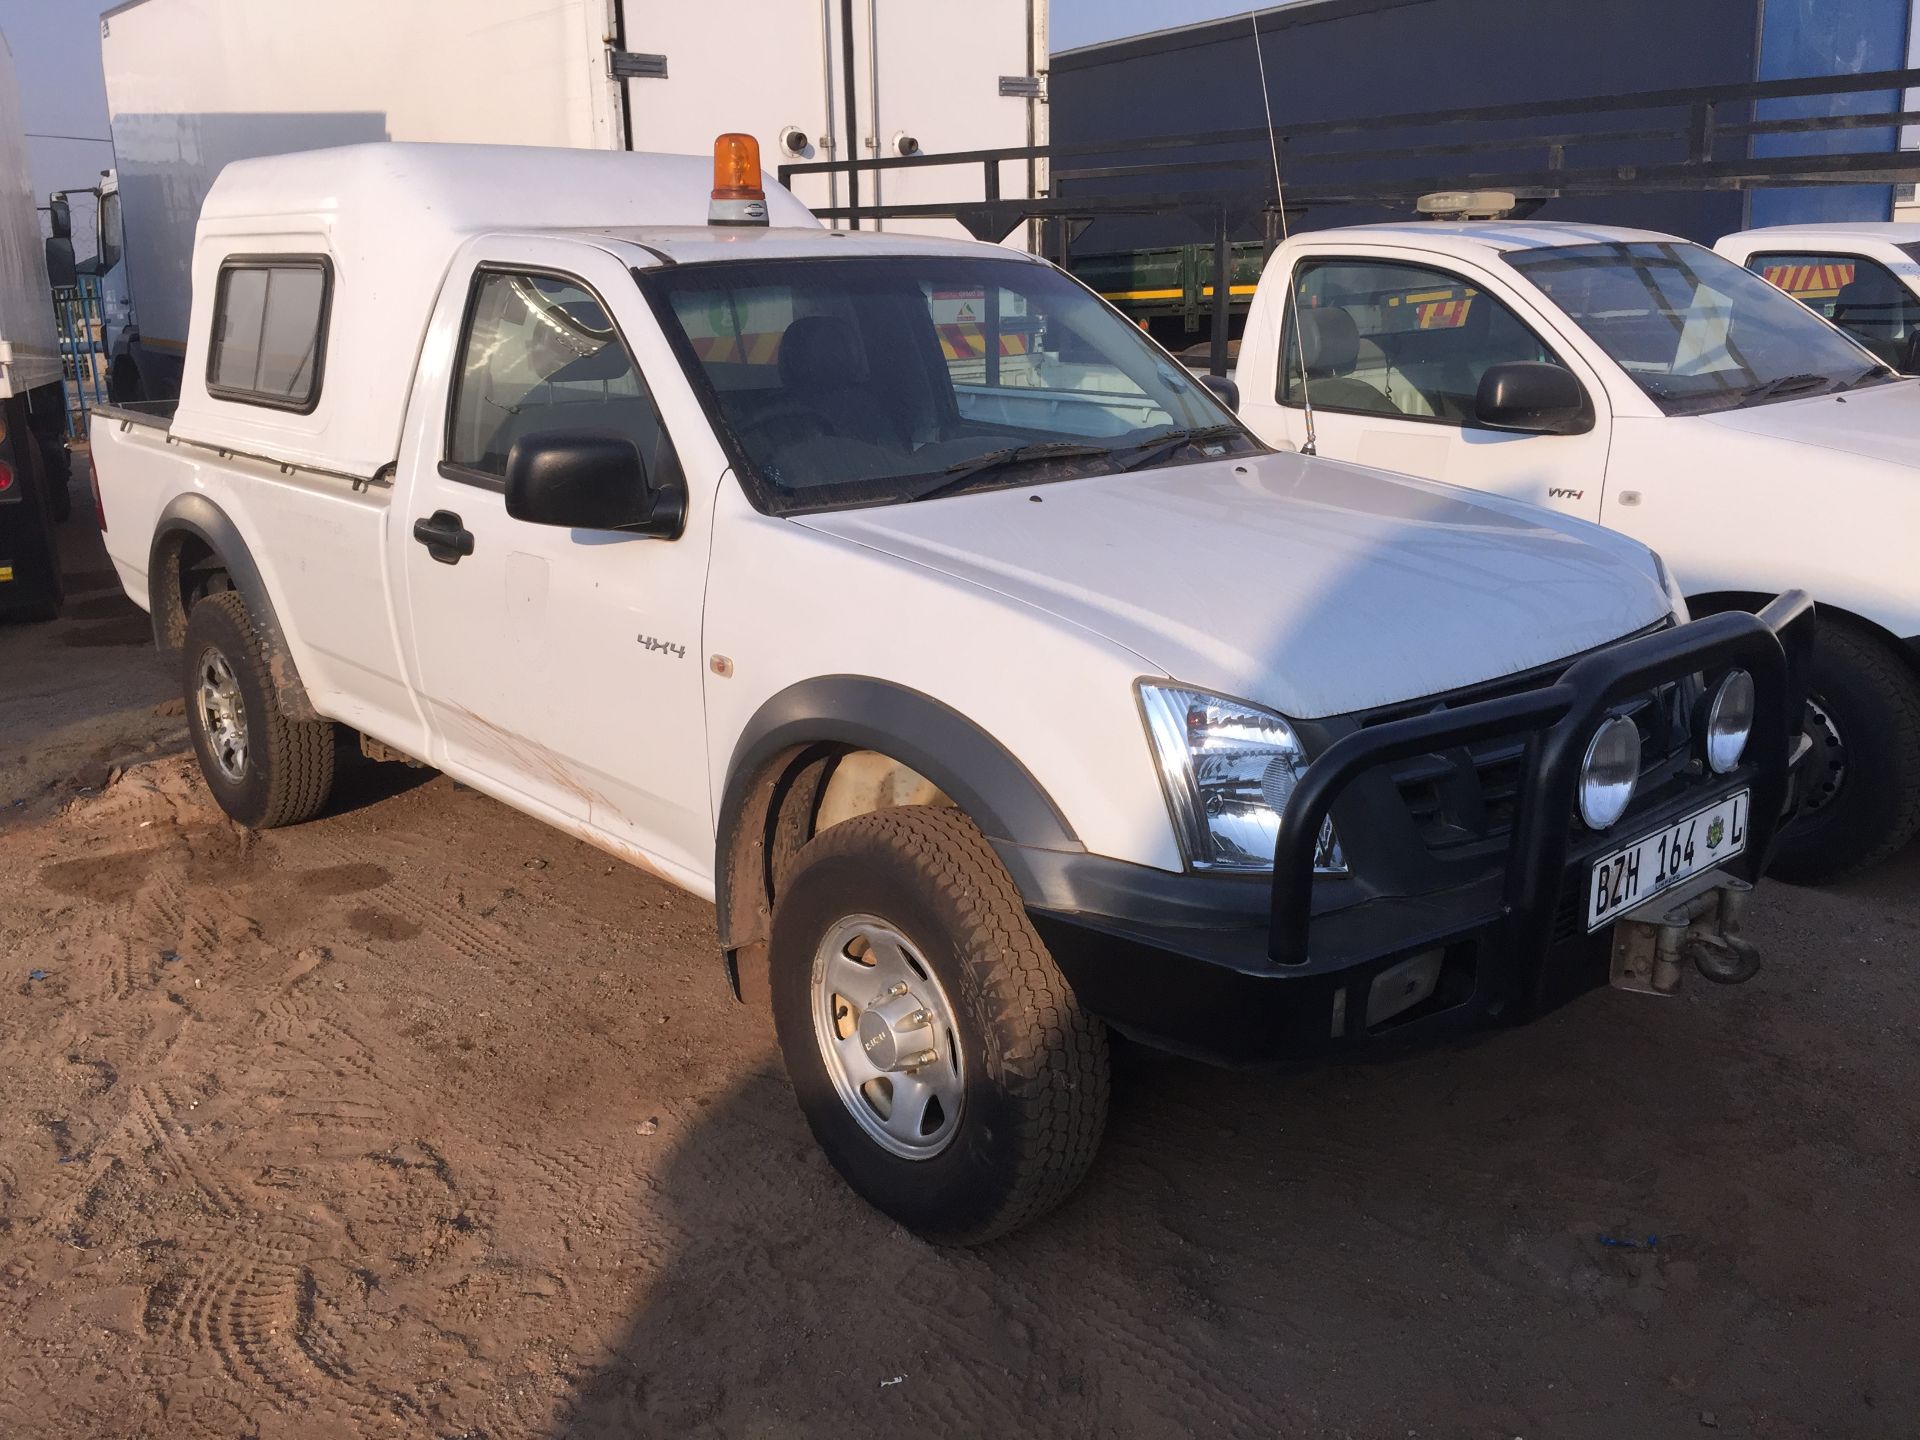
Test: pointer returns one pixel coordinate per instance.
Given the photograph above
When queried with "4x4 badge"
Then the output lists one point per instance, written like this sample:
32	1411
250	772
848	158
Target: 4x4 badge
1716	832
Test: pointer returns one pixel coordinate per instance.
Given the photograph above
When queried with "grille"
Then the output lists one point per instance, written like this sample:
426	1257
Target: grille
1466	797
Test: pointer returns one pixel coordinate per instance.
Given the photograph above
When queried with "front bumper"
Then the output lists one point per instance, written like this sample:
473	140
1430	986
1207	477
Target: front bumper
1244	969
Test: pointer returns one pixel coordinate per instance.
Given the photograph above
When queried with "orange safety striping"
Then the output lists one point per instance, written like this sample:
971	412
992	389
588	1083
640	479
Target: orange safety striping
969	342
1445	314
1818	281
756	348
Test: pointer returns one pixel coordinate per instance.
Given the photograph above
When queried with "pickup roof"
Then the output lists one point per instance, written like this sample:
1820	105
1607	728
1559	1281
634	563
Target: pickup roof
1649	385
902	598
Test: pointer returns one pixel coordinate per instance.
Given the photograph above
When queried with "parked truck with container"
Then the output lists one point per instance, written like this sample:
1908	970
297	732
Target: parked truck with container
33	453
194	84
993	704
1649	385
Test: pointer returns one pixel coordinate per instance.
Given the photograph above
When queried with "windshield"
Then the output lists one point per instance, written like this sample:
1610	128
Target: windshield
1696	331
867	380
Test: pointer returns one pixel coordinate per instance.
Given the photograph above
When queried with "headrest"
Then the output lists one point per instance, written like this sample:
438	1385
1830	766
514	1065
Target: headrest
819	352
1869	290
1329	341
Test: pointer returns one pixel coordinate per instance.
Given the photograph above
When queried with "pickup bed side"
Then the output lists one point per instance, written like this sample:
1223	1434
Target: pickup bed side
304	550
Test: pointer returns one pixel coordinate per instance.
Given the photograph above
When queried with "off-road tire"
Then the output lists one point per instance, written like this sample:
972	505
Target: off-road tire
288	772
1873	697
1036	1064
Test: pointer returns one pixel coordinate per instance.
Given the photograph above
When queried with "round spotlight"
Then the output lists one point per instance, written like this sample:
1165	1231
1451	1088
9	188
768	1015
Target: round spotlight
1730	721
1609	773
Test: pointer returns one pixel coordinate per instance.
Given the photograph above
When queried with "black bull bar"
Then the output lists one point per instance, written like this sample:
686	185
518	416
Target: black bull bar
1558	721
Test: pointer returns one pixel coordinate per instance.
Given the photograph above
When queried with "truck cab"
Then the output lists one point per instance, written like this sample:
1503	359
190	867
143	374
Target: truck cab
894	593
1646	384
1863	276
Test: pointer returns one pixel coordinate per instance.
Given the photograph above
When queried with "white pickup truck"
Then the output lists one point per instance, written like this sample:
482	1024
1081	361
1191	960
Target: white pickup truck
1864	277
1649	385
899	596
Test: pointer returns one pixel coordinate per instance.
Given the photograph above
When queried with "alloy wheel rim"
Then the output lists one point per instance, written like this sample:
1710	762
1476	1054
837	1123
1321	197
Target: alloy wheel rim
223	715
888	1037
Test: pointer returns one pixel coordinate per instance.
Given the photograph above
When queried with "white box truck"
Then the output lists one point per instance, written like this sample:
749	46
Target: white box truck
194	84
33	456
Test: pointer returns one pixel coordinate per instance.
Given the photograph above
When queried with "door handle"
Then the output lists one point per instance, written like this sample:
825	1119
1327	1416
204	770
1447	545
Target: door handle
446	539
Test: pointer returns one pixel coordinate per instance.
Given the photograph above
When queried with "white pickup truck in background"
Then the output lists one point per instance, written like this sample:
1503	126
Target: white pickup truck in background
1653	387
1864	277
899	596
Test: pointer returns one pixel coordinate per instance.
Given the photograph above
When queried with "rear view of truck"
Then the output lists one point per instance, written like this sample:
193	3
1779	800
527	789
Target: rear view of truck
32	466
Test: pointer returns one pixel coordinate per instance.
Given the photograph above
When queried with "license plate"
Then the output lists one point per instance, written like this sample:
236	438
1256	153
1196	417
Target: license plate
1691	844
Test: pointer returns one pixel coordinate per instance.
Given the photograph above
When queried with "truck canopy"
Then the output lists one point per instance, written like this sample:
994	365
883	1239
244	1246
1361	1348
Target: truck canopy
377	226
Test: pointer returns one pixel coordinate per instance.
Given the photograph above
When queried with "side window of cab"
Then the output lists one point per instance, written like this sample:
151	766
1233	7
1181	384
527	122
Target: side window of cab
539	354
1861	296
1393	339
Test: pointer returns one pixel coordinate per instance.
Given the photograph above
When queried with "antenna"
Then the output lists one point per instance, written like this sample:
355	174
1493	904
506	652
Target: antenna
1312	446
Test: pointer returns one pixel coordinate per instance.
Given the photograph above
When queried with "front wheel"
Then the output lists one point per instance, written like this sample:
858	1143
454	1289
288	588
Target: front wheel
1860	799
939	1057
264	769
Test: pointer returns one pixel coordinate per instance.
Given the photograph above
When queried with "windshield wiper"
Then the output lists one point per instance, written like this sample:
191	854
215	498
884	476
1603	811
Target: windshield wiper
1161	446
956	476
1872	372
1783	385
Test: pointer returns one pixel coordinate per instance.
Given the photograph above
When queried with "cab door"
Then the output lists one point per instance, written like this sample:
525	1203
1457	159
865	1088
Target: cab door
560	669
1394	349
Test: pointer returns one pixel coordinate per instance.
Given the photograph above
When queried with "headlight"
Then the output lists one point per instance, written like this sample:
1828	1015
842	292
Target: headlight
1730	721
1609	773
1228	768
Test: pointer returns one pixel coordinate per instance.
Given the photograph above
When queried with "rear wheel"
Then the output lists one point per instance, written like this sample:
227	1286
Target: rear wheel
264	769
937	1053
124	386
1861	779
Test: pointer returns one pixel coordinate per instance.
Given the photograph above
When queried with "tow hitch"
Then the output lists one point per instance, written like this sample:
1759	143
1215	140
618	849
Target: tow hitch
1698	922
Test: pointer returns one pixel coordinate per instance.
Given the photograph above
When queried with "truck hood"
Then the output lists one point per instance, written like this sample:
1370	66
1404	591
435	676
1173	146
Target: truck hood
1311	586
1881	422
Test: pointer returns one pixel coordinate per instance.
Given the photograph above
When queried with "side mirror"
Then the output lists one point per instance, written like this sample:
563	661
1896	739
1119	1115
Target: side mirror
1532	398
60	213
590	481
1225	389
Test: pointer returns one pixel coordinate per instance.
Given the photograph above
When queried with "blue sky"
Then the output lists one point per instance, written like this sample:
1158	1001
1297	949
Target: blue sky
1083	22
56	53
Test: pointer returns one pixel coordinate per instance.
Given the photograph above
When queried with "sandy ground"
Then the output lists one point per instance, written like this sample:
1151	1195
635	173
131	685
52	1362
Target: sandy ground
422	1120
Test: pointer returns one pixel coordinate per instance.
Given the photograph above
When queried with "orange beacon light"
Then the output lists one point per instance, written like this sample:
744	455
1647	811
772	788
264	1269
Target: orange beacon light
737	196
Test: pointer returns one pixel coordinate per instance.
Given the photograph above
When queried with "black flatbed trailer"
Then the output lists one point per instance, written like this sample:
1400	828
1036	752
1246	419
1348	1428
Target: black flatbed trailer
1229	182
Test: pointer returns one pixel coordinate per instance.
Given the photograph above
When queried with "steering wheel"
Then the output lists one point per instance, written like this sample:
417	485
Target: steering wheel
802	422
